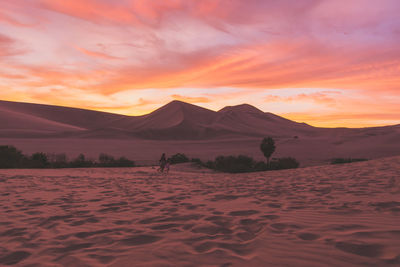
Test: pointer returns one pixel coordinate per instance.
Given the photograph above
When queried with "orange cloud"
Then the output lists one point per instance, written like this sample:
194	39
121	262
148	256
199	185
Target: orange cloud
320	98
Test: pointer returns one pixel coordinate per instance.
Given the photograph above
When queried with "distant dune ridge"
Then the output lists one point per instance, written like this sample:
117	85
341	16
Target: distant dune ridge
176	120
182	127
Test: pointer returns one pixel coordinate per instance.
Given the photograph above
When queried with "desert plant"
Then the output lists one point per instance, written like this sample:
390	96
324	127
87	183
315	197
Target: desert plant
234	164
284	163
10	157
267	147
196	160
39	160
209	164
124	162
260	166
58	160
179	158
81	162
106	160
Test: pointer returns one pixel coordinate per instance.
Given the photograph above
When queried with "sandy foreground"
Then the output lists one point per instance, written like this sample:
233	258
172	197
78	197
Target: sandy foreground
336	215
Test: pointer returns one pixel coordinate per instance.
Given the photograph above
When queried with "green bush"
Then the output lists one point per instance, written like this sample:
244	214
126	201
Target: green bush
284	163
106	160
124	162
241	163
39	160
260	166
109	161
346	160
10	157
58	160
234	164
179	158
81	162
197	160
209	164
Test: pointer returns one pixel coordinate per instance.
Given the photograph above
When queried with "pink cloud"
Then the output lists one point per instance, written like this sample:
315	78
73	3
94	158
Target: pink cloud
96	54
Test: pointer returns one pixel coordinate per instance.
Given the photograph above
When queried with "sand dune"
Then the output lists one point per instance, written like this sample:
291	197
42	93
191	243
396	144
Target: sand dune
344	215
175	121
185	128
16	121
75	118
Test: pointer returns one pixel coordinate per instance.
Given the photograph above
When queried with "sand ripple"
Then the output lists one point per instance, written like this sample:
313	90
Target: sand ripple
320	216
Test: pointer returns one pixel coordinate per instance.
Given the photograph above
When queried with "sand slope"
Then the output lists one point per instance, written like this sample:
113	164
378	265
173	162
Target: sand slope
180	127
174	121
345	215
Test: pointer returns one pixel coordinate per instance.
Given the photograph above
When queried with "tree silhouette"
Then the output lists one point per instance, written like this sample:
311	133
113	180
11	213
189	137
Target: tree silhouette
39	160
267	147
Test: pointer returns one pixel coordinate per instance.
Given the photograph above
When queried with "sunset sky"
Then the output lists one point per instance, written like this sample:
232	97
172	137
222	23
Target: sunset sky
325	62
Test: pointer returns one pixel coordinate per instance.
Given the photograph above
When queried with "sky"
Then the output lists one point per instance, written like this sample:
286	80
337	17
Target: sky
329	63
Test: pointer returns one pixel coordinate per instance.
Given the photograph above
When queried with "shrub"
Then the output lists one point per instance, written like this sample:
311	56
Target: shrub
81	162
106	160
209	164
346	160
260	166
39	160
10	157
242	163
124	162
58	160
197	160
234	164
284	163
179	158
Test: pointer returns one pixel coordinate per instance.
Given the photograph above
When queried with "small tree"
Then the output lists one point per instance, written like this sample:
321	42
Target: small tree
267	147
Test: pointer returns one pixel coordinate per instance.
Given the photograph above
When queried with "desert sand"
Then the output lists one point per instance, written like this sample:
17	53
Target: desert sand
333	215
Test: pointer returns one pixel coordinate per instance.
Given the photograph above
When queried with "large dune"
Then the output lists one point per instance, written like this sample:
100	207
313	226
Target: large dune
345	215
182	127
176	120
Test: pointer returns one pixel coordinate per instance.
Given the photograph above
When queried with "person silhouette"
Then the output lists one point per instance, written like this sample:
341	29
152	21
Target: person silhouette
162	162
